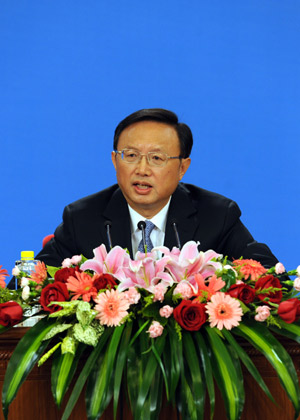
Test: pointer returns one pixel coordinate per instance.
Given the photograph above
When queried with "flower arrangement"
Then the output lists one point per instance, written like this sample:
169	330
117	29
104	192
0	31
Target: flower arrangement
170	319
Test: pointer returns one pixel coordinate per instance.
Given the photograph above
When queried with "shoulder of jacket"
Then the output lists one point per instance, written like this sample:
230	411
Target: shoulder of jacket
96	200
200	194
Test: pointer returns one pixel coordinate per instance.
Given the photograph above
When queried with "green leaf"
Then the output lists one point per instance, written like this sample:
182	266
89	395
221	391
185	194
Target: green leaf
136	361
85	335
205	359
226	375
155	396
120	364
171	362
287	330
85	373
63	368
52	270
58	328
148	374
184	398
134	373
68	345
192	362
152	405
261	338
26	354
98	383
248	363
84	313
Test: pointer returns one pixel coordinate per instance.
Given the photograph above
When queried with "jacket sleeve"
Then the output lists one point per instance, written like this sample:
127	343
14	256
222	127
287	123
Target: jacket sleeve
63	245
236	241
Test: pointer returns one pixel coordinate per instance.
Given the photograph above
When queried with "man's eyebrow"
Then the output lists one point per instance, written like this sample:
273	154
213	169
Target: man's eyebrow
155	149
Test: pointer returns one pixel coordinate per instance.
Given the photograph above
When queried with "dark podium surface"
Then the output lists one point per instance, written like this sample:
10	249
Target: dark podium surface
34	399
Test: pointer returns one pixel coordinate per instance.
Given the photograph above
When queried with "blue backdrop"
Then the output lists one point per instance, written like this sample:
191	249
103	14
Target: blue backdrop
71	70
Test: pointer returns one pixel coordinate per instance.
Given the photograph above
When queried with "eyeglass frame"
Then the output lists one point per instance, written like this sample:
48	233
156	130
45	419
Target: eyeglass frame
147	157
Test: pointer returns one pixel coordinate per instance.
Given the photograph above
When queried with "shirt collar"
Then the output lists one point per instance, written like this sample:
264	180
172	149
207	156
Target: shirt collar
159	220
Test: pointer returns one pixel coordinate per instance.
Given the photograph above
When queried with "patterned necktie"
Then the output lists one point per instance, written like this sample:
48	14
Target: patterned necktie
149	227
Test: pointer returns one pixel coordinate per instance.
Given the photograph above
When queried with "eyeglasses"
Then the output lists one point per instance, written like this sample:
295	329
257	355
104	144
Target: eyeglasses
153	158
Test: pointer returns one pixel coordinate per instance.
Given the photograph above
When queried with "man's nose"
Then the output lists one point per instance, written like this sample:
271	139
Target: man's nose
143	166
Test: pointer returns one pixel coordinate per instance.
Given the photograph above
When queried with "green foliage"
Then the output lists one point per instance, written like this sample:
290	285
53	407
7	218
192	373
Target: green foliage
57	328
6	295
48	354
86	335
69	309
52	270
229	277
84	313
178	330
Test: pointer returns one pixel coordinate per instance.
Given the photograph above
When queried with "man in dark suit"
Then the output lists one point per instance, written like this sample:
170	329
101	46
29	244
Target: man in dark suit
151	155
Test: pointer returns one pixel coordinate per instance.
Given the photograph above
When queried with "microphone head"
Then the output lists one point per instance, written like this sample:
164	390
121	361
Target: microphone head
173	222
107	223
141	225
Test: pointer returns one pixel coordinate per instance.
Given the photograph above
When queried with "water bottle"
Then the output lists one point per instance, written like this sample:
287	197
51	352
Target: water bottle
26	264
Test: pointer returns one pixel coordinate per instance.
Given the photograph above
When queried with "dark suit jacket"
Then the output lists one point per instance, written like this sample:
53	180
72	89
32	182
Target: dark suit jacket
201	215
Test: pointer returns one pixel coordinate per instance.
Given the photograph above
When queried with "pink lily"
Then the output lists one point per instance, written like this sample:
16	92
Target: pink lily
112	262
190	262
145	273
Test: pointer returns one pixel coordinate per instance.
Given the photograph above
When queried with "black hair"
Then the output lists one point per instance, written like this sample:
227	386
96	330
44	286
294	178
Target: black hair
164	116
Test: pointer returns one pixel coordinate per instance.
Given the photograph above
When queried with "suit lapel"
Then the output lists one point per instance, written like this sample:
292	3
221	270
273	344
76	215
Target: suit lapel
183	211
117	213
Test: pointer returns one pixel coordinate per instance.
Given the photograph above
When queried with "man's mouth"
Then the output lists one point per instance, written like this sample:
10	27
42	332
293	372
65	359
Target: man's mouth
142	186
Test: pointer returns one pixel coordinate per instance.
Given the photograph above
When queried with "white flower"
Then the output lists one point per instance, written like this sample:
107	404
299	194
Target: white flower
76	259
155	329
25	292
279	268
229	267
297	284
24	281
262	313
15	271
66	263
166	311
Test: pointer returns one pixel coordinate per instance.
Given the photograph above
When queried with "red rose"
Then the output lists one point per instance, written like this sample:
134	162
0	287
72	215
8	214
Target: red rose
103	281
243	292
190	315
289	310
56	292
64	273
10	313
266	282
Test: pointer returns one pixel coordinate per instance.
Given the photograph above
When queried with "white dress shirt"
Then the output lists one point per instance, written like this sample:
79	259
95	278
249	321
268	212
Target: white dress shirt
158	233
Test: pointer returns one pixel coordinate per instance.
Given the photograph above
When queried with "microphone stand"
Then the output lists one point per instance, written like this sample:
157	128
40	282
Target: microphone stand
174	225
108	225
142	226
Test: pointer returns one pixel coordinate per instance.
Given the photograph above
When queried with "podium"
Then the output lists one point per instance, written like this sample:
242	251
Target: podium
34	399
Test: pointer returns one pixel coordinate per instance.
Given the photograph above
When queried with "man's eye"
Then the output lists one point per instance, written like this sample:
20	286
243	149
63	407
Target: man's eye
131	155
157	157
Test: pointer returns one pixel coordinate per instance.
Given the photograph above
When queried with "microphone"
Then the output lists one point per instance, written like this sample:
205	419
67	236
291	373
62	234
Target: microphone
142	226
174	225
108	225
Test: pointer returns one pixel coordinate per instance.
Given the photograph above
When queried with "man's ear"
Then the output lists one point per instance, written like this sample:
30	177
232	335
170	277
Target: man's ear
113	158
184	166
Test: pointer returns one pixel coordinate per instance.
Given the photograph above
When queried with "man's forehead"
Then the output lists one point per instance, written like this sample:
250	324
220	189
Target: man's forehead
153	132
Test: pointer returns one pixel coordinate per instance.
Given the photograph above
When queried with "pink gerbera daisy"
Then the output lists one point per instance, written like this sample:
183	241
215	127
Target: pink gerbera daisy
3	274
111	307
250	268
40	273
82	286
224	311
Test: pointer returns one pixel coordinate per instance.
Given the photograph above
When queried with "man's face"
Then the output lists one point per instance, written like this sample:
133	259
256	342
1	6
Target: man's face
146	188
